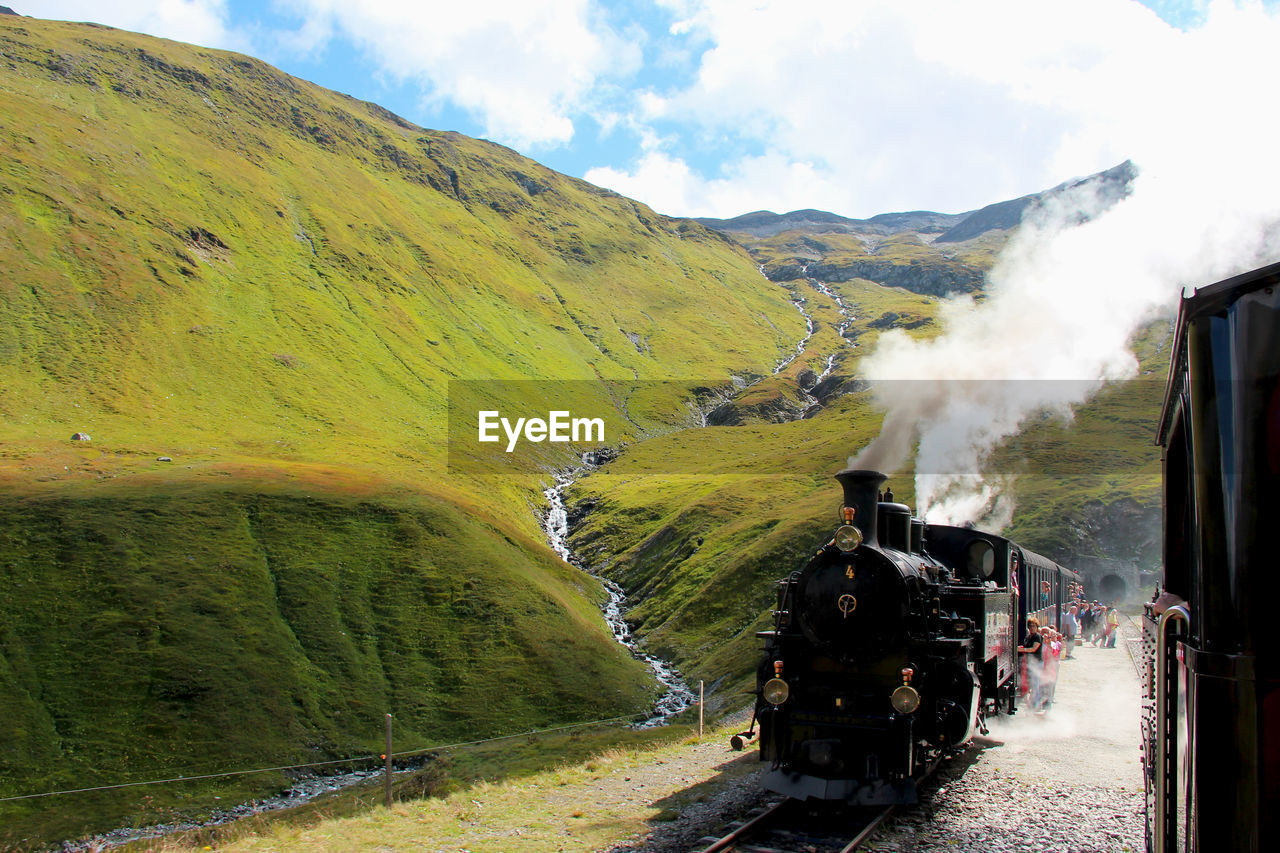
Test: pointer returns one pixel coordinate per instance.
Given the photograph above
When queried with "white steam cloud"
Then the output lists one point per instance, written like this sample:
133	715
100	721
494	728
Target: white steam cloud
1065	299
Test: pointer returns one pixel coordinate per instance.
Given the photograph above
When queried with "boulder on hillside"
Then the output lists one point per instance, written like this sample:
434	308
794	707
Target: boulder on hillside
894	320
81	436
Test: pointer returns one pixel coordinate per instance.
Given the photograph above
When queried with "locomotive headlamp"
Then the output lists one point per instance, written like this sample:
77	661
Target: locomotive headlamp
905	699
848	537
776	691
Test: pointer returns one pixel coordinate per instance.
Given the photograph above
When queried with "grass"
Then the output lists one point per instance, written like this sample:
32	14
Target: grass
902	259
194	630
273	285
281	290
567	805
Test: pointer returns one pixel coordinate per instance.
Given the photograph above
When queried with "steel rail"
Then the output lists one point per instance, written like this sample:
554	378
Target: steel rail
867	830
727	842
761	823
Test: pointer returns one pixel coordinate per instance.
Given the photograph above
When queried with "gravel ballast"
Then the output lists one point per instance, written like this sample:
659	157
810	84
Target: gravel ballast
1067	781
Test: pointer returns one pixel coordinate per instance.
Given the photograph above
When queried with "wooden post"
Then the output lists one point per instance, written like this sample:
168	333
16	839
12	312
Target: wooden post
701	699
387	764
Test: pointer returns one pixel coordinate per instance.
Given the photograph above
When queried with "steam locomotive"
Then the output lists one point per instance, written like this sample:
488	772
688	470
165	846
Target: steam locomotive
890	648
1212	706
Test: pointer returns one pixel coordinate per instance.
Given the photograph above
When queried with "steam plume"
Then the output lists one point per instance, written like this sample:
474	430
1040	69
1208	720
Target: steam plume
1064	300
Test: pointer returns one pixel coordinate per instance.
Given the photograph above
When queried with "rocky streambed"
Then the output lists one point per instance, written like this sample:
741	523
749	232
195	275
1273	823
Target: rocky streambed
306	787
708	410
676	695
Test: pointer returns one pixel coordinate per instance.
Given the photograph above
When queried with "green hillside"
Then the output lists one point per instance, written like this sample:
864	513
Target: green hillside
271	286
276	311
735	508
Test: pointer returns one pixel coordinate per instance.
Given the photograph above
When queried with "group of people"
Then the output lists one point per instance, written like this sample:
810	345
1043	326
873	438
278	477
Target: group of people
1079	621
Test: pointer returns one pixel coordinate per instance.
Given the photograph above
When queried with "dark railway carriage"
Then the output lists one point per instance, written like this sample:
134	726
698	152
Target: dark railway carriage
889	648
1043	585
1211	721
992	606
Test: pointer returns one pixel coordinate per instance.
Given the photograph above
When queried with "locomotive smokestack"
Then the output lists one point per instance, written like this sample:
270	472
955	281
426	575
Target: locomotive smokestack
862	492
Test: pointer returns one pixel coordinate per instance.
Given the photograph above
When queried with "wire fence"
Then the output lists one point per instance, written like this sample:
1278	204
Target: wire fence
356	760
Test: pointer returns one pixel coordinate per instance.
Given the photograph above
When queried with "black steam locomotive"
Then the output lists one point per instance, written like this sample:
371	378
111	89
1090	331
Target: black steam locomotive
1212	706
889	649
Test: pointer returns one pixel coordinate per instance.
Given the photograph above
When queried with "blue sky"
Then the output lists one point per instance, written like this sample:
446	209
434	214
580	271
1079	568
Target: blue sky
720	107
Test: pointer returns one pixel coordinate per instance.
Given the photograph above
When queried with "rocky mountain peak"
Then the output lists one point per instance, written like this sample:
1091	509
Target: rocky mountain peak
1111	185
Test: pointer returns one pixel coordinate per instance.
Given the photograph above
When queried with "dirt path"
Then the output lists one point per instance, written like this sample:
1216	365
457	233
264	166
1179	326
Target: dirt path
1067	781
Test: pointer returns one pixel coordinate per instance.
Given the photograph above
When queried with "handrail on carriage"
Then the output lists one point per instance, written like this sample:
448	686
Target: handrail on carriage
1176	613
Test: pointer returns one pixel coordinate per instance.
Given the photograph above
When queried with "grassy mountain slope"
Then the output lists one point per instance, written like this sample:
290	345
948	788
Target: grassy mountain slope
180	208
272	285
734	508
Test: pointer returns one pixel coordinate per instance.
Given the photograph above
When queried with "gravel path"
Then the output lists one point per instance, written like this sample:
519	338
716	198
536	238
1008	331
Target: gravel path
725	786
1064	782
1067	781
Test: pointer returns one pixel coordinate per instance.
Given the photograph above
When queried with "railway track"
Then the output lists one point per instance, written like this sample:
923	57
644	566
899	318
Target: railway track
790	826
1132	639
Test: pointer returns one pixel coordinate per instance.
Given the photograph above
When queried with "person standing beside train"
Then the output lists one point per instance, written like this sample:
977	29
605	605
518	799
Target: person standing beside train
1051	653
1032	649
1113	625
1099	612
1089	626
1070	630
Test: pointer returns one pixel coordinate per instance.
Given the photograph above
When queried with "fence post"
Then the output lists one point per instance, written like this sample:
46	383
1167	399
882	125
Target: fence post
701	700
387	764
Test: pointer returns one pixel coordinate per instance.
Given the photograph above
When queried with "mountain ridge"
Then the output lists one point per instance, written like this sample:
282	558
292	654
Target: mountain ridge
946	227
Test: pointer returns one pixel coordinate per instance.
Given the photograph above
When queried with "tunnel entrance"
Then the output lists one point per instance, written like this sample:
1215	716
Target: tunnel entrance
1112	589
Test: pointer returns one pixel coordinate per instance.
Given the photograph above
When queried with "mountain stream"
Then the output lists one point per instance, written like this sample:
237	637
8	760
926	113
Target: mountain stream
676	696
555	521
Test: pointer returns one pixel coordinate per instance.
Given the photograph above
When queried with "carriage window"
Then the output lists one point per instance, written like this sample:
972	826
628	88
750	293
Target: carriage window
1179	540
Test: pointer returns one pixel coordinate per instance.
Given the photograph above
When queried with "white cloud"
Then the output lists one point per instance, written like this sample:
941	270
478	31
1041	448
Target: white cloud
931	104
200	22
525	67
669	185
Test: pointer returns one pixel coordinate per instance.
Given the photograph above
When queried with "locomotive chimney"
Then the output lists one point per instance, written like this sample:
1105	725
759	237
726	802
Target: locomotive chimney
862	492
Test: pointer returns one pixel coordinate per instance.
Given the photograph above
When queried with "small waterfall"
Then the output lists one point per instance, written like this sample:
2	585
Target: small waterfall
834	297
798	301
